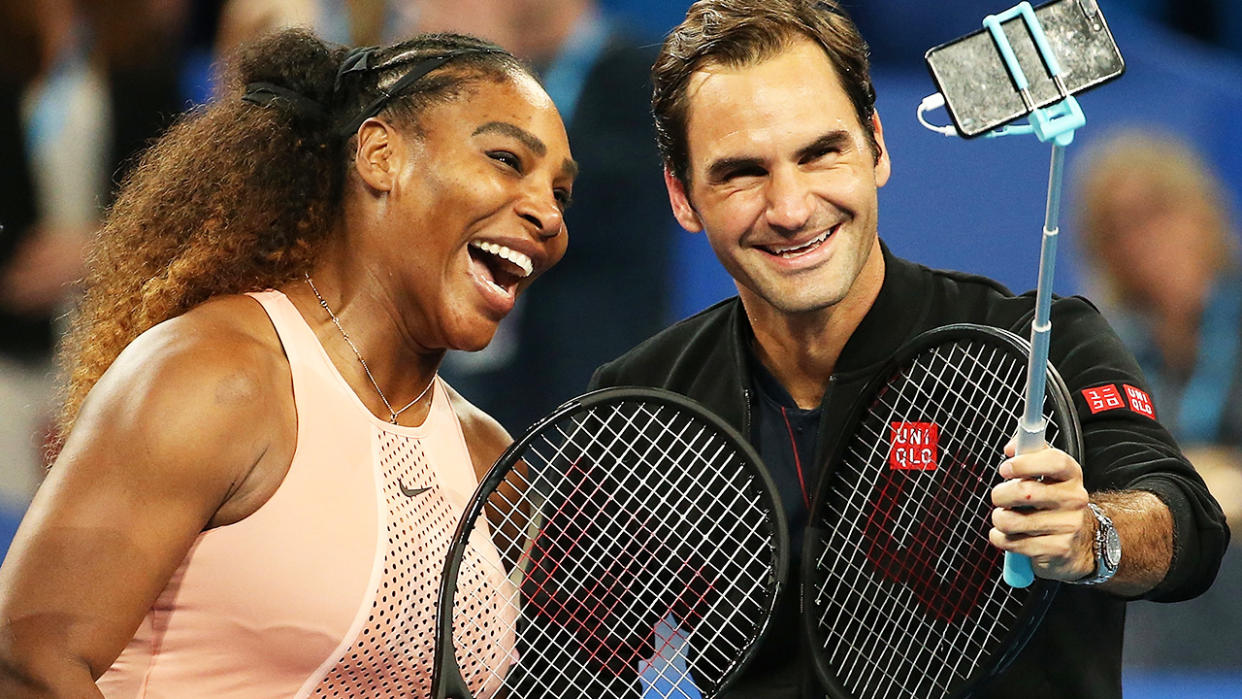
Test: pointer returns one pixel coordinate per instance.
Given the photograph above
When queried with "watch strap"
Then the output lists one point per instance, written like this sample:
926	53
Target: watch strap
1103	530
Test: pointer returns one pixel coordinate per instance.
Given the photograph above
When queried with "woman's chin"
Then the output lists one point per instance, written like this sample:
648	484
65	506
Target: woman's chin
474	339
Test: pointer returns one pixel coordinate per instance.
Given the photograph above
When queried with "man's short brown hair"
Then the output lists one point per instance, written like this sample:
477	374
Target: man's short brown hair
737	33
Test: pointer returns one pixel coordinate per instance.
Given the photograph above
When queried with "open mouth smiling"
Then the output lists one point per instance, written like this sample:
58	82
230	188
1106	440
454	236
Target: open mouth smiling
793	251
499	266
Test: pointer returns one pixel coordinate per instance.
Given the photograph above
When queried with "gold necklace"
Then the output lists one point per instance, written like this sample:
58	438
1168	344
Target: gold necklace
391	413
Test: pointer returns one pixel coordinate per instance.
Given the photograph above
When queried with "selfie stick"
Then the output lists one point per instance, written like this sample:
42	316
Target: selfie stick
1056	123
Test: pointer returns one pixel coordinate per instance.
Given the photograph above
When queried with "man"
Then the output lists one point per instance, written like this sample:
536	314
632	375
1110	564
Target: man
773	149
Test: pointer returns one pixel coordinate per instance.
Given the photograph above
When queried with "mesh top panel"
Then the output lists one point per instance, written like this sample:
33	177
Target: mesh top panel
392	655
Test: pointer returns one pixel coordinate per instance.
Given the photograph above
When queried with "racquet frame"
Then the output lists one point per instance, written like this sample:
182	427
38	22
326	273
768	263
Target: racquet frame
447	680
1069	439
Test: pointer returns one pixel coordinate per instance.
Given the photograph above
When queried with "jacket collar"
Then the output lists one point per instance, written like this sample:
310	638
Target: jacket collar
738	381
894	317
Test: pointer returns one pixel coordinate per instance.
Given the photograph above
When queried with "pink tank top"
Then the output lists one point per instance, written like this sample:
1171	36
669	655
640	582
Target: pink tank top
330	588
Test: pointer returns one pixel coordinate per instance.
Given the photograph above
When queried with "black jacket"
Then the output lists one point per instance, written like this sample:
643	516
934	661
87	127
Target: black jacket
1077	650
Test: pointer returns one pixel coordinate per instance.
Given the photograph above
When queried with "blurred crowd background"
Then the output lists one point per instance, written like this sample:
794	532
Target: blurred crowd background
1152	233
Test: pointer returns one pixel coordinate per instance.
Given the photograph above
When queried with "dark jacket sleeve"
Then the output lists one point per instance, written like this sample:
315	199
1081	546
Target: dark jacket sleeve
1126	447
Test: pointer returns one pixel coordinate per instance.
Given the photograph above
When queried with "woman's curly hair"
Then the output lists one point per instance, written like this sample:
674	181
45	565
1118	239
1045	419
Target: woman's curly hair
238	197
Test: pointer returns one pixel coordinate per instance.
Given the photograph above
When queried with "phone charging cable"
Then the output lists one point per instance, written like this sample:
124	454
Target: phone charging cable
930	102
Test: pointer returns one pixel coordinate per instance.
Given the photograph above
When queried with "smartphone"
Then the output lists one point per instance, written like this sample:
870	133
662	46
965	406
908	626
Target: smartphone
979	92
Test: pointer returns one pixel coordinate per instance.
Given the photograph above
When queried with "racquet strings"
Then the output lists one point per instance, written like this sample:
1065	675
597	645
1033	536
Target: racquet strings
907	595
640	554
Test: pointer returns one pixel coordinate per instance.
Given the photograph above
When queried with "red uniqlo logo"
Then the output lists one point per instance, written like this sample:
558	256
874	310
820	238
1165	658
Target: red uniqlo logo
913	446
1140	402
1102	398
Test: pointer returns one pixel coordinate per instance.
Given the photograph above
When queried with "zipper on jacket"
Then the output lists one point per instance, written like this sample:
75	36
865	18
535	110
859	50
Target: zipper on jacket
746	414
822	437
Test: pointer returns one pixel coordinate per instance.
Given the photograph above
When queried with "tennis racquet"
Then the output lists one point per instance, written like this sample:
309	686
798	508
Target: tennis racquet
630	544
904	595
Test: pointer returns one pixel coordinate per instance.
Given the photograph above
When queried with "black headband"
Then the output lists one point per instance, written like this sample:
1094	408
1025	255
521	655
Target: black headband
271	95
265	94
358	60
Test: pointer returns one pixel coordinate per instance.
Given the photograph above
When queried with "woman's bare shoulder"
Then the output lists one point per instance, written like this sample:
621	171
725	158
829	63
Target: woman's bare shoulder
221	353
207	393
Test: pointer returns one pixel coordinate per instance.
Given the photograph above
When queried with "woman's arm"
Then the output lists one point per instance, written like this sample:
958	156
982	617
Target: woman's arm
183	432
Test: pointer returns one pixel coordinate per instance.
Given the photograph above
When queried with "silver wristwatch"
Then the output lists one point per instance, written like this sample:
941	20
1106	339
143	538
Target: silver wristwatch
1107	547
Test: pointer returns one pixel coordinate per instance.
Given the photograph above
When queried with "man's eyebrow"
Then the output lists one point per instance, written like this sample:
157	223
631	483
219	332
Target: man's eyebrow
527	138
569	168
833	140
722	167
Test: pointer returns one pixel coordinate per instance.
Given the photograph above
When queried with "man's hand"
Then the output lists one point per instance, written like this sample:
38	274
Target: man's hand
1041	512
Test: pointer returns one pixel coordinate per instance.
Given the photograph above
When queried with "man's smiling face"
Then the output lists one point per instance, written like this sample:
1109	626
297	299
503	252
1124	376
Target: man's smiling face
782	178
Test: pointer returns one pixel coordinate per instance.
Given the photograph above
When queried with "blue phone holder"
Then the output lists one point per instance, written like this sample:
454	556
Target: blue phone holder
1056	122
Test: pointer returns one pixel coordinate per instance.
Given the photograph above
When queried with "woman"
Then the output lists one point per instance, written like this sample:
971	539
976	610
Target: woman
258	487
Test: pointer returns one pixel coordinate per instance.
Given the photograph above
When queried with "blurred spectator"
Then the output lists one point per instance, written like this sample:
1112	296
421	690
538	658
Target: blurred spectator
348	22
613	287
1155	227
137	46
44	227
1154	223
83	86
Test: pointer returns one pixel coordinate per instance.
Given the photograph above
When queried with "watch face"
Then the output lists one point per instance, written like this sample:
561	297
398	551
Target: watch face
1112	548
